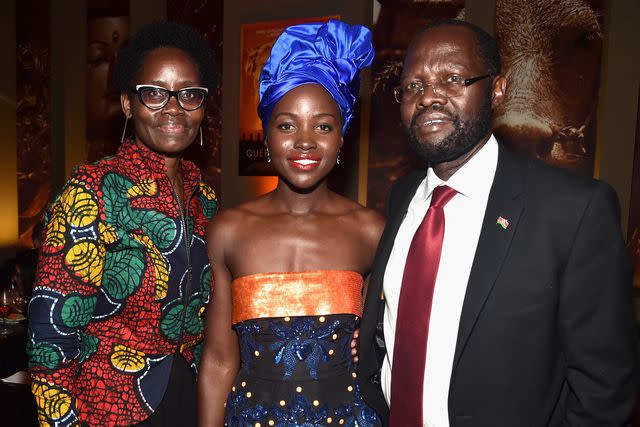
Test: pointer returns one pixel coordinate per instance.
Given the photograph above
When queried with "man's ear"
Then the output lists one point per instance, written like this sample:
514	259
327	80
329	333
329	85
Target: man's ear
499	90
125	103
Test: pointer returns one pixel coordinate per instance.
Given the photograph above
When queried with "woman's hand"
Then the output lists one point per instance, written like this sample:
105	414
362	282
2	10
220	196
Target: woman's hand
355	340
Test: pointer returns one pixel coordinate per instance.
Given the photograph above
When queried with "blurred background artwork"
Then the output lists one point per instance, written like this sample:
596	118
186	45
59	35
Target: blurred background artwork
551	52
33	115
107	31
256	40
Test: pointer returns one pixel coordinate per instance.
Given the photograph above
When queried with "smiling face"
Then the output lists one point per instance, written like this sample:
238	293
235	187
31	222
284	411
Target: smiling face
443	128
171	129
304	136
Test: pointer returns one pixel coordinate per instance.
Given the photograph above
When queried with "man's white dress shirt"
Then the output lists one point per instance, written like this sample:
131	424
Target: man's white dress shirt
463	221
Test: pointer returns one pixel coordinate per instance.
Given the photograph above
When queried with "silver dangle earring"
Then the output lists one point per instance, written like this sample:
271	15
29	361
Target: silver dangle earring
201	136
266	147
338	160
124	131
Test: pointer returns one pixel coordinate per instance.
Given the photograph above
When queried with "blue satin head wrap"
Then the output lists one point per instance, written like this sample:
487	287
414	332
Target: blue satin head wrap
331	54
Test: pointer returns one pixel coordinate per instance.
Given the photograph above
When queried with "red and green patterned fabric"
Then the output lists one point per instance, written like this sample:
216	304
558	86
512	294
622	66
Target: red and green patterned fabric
123	279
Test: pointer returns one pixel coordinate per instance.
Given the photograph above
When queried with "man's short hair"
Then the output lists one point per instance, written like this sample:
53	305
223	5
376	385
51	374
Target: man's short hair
486	45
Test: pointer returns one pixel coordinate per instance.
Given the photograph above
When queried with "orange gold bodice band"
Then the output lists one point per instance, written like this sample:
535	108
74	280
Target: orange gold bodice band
306	293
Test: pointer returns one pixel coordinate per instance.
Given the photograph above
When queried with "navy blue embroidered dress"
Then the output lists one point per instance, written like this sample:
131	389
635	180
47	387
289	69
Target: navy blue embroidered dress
294	331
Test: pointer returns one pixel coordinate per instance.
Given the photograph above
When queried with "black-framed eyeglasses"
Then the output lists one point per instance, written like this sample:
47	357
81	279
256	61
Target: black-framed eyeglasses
450	86
156	97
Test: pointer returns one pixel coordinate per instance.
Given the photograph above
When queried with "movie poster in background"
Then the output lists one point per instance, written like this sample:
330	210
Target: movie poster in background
397	22
33	115
107	31
552	65
206	17
633	233
255	44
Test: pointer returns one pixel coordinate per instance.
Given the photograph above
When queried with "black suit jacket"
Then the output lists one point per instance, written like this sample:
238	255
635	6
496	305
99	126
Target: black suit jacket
547	333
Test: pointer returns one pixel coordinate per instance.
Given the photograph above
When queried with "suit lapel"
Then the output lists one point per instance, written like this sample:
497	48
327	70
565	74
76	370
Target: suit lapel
505	202
398	209
398	212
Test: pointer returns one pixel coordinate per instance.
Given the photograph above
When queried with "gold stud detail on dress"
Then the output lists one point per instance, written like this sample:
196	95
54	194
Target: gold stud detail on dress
257	353
354	375
329	420
272	423
330	352
286	319
350	388
341	421
233	388
322	319
257	425
248	394
334	336
316	403
299	389
282	403
244	383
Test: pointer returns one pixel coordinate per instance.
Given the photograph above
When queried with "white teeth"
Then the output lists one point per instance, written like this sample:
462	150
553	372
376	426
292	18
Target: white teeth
305	162
431	122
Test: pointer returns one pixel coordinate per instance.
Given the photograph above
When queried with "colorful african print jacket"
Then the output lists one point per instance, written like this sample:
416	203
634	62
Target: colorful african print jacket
122	282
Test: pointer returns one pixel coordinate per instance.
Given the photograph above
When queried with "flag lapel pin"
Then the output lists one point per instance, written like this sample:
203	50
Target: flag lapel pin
502	222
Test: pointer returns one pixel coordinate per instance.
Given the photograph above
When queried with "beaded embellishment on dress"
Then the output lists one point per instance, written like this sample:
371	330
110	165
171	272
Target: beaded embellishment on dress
298	370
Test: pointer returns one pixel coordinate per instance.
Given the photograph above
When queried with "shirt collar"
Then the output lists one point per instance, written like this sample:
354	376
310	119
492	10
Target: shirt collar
474	179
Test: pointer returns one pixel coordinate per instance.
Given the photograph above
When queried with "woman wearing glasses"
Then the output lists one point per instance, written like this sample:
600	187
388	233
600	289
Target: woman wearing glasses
289	266
115	324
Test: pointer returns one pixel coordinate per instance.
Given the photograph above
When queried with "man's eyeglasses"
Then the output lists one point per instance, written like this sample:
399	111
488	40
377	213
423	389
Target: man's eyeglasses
156	97
450	86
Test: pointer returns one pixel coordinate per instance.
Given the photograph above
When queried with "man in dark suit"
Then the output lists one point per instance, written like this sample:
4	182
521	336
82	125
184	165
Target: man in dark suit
507	289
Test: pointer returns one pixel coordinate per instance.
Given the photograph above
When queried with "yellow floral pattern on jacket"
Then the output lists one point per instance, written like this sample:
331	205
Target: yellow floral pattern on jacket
122	279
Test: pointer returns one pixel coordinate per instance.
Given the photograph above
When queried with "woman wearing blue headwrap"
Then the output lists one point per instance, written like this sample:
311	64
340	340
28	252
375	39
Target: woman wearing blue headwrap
289	266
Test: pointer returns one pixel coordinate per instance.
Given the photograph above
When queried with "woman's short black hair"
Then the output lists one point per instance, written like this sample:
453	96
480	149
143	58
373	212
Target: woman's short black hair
163	34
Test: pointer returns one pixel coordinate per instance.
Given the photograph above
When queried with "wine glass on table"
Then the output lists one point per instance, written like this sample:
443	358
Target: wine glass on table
18	301
5	310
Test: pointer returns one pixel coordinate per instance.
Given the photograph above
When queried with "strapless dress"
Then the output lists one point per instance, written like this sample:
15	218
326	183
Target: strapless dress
294	331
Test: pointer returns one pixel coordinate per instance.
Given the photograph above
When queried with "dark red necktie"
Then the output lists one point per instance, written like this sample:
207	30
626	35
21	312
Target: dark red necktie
414	311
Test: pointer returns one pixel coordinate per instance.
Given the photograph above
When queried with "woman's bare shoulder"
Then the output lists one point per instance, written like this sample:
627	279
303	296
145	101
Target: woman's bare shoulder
367	220
371	222
229	221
